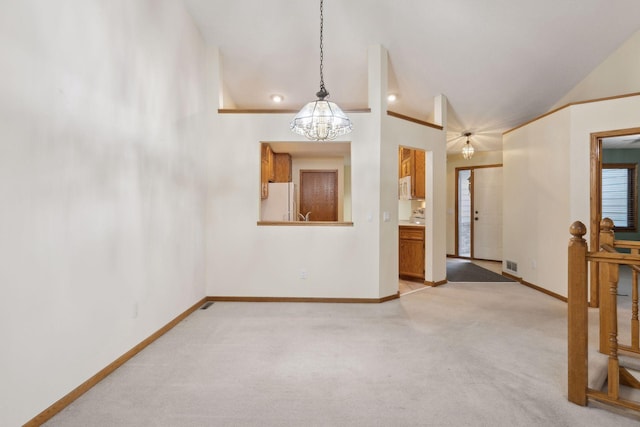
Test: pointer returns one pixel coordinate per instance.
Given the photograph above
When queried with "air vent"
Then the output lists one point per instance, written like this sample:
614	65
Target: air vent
206	305
512	266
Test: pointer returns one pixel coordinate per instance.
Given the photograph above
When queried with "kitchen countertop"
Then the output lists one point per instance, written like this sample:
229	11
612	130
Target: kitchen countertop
409	224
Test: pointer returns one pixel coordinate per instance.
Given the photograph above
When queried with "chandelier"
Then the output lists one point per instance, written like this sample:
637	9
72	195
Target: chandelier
321	120
467	150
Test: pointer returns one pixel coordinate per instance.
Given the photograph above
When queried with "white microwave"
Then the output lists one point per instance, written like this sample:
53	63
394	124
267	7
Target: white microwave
404	188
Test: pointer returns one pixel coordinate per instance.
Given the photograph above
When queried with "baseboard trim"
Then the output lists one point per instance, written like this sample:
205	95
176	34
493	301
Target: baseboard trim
66	400
512	277
535	287
305	299
411	278
434	284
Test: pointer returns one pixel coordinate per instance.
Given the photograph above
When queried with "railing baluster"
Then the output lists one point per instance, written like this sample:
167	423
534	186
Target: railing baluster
635	330
609	281
606	238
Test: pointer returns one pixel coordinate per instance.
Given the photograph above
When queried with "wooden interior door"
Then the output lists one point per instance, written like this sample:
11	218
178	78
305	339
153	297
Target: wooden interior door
319	194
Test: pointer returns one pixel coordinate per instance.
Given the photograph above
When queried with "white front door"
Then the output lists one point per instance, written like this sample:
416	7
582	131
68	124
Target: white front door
487	213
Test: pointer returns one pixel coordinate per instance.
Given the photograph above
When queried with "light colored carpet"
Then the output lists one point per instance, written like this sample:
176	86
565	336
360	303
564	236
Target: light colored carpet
491	354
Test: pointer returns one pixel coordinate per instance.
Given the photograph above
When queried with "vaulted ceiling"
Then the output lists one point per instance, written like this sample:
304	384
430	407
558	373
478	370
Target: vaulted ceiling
499	62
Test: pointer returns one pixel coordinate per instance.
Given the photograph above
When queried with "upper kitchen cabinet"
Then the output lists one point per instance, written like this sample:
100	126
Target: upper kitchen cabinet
282	167
274	167
411	168
267	172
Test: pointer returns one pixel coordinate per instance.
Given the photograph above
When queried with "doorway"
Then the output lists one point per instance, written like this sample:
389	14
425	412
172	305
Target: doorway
618	145
479	212
319	195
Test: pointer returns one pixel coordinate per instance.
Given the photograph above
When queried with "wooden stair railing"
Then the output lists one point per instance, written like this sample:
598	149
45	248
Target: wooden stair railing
634	248
609	261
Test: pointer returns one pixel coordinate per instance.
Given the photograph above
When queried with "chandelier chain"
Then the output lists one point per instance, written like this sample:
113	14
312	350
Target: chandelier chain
322	88
321	120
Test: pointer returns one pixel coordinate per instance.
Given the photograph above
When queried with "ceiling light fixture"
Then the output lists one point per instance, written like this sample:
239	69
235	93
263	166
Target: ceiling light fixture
392	97
467	150
321	120
277	98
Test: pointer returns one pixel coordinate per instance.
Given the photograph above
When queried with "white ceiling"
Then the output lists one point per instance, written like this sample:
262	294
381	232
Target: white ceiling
626	142
499	62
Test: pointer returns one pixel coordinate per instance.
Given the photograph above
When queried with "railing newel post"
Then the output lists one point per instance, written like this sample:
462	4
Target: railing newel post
577	315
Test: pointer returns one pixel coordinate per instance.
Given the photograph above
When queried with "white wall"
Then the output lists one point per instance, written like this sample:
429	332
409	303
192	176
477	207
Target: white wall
546	185
480	158
402	133
101	187
617	75
244	259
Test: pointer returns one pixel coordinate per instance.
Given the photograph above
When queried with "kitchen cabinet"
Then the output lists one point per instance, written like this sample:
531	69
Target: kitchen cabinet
267	170
411	253
282	167
274	167
269	158
411	163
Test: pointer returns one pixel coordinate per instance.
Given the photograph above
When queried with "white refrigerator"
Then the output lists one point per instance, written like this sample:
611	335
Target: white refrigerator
280	205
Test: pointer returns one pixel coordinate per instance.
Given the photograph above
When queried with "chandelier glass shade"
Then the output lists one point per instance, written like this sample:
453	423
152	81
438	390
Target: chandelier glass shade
321	120
467	150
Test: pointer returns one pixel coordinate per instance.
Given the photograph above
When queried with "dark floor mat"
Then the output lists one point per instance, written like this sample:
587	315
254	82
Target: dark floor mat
466	271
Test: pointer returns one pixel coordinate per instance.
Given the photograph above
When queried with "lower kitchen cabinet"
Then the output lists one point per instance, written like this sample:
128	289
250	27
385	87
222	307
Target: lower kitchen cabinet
412	253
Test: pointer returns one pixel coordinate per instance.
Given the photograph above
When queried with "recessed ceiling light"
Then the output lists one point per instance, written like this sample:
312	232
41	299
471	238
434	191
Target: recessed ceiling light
392	97
277	98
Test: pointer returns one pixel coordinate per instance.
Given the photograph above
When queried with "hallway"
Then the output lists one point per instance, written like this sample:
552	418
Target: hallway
406	287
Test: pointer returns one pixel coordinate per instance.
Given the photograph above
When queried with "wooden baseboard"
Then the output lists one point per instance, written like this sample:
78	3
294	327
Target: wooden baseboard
532	286
305	299
411	278
65	401
512	277
434	284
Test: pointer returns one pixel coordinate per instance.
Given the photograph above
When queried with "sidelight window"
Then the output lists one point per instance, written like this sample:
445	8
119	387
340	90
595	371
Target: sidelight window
619	195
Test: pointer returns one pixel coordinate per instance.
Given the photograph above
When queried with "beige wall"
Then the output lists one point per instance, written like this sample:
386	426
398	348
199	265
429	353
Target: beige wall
546	185
103	125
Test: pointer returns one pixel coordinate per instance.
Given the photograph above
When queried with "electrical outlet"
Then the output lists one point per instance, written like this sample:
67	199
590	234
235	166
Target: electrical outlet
534	264
303	274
